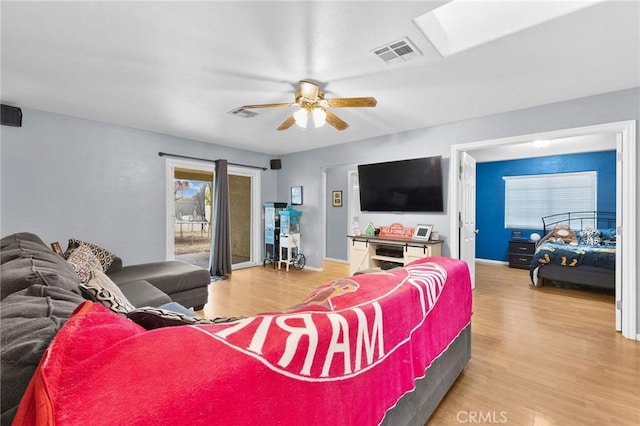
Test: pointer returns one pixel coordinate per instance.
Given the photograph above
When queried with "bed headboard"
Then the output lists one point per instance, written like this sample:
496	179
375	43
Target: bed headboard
580	220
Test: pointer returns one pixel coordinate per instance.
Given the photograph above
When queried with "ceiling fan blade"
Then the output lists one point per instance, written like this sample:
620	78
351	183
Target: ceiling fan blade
336	121
351	102
287	123
287	104
309	90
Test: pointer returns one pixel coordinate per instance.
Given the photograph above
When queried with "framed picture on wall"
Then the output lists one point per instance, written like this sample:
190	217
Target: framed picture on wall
296	195
337	198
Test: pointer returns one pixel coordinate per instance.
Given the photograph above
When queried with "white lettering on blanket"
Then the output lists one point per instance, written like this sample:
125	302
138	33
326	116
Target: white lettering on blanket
318	345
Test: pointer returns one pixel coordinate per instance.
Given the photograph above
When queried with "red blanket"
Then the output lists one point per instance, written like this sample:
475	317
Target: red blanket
342	357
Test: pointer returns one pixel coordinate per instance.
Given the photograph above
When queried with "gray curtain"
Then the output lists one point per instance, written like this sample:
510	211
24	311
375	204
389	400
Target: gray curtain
220	258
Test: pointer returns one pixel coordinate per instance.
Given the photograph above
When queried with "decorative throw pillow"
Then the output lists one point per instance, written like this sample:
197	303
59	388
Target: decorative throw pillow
151	318
100	279
105	257
105	297
84	262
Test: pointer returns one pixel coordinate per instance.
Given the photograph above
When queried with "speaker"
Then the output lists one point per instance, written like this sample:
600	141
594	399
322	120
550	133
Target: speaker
276	164
10	116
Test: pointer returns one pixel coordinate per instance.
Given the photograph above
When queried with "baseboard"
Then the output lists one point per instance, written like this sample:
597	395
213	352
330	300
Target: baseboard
311	268
493	262
330	259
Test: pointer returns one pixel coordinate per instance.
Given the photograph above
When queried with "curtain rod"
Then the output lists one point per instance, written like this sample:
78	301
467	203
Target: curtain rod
162	154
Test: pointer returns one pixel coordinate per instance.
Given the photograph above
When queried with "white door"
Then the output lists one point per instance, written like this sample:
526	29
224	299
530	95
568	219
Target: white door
467	213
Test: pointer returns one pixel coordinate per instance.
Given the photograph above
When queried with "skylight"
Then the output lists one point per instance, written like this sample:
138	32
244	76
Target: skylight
462	24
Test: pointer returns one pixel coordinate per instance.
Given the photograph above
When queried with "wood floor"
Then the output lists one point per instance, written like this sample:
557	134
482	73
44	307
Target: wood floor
540	356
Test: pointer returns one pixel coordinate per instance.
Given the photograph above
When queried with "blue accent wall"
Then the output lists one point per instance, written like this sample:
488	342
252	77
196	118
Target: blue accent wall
493	238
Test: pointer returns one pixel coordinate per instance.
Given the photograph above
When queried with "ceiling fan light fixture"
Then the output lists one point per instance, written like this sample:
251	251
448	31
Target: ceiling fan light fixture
302	117
319	116
310	102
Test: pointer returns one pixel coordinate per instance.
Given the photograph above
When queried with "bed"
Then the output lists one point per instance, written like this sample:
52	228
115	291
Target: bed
377	348
589	263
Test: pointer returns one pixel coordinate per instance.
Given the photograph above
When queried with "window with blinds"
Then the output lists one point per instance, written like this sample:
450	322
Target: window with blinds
529	198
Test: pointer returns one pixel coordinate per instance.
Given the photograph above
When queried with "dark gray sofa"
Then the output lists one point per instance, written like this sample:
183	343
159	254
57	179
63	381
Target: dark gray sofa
39	290
150	284
154	284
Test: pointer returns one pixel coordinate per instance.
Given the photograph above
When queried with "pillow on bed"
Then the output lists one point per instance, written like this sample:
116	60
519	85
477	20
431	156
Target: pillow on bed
608	235
590	237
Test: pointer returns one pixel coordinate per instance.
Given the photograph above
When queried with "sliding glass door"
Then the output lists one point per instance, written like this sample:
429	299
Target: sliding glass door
189	212
190	186
244	208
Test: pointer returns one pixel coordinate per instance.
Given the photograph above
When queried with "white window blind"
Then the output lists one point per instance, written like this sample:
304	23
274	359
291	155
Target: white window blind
529	198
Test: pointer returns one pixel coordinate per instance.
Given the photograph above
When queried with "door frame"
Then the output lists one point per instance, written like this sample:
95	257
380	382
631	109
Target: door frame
170	165
626	287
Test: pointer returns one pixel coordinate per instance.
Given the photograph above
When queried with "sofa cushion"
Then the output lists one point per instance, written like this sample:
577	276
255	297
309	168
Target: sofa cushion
142	293
196	297
170	277
26	260
27	249
29	321
21	236
105	257
20	273
84	262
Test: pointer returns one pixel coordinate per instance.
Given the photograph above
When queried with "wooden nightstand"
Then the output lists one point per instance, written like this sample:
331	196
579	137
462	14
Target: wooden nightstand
521	253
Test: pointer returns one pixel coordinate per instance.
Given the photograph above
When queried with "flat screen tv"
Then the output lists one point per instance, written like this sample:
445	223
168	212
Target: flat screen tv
402	186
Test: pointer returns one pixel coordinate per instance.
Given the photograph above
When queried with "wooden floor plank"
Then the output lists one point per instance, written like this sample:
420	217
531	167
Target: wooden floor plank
540	356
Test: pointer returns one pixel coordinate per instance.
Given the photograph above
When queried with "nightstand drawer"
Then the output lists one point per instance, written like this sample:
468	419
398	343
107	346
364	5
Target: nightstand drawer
520	260
522	247
521	253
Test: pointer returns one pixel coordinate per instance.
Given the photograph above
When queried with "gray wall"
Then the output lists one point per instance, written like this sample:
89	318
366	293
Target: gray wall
65	177
337	217
298	168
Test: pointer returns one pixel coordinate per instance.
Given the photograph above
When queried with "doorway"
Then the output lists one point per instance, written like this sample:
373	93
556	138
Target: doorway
190	186
189	211
626	315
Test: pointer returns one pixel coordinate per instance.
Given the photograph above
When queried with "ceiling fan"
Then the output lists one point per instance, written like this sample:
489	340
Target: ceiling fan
313	104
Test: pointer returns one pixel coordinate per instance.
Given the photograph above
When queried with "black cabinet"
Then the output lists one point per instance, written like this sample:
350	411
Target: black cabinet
272	232
521	253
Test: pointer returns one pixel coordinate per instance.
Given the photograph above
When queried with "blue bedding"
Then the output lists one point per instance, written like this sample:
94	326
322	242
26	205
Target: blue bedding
599	256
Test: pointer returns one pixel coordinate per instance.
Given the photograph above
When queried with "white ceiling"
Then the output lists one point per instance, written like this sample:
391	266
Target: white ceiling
179	67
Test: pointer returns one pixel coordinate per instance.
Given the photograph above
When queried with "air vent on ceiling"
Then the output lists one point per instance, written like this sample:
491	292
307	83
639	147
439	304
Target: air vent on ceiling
400	50
245	113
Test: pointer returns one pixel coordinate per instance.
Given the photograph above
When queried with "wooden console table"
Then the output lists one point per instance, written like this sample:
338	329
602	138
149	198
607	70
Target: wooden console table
377	252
